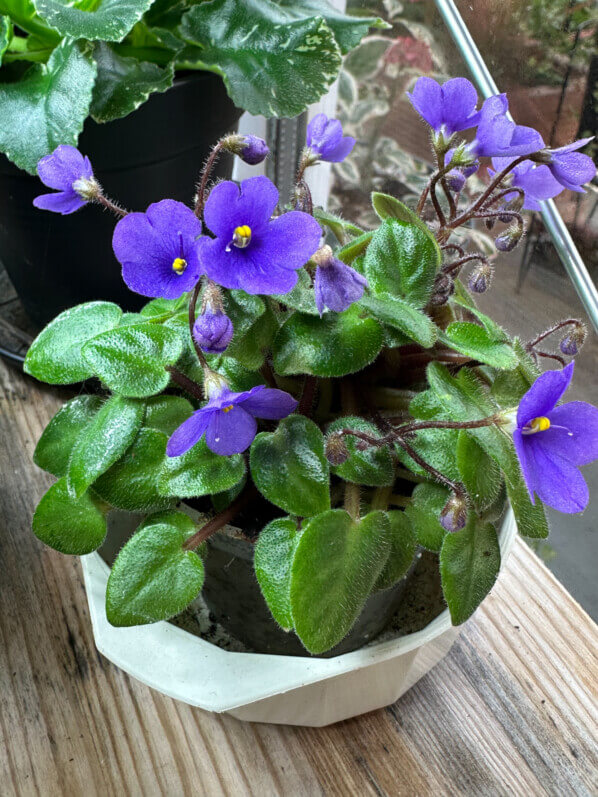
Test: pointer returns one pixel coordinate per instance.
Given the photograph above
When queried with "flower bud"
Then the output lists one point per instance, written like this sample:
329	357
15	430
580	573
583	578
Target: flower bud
454	514
213	331
572	342
251	149
455	180
508	240
490	222
336	449
302	198
480	278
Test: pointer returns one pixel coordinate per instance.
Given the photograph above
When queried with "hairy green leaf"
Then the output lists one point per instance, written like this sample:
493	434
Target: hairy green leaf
403	543
424	514
54	447
103	20
273	559
199	472
167	413
373	466
70	525
400	315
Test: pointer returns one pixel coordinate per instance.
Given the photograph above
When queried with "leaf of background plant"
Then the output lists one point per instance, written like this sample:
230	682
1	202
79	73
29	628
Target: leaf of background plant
124	83
152	578
270	66
479	472
402	261
334	345
388	207
131	360
5	35
54	447
336	564
424	514
102	20
372	467
402	316
70	525
55	355
131	483
475	341
469	566
47	107
167	413
273	558
289	468
199	472
104	440
403	543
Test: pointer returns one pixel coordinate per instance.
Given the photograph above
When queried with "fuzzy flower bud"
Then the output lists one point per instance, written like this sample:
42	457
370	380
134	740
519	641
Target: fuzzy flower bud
213	330
455	180
251	149
302	198
508	240
454	515
336	449
572	342
480	278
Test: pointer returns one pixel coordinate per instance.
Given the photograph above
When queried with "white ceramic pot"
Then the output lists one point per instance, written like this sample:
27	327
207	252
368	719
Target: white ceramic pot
290	690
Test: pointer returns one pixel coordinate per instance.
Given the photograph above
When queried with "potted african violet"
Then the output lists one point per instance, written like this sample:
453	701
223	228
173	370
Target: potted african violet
67	68
321	439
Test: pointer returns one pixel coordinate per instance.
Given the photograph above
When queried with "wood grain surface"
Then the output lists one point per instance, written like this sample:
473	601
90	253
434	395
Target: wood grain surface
511	710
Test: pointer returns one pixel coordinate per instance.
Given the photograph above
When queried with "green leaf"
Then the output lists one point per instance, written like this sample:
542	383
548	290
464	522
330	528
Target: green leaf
355	249
336	564
5	35
70	525
475	341
302	297
131	483
162	309
289	468
238	377
104	440
243	309
221	500
103	20
199	472
338	226
131	360
270	65
167	413
469	566
55	355
335	345
509	387
373	466
387	207
273	558
530	518
424	514
403	543
54	447
152	578
402	316
438	448
123	83
173	518
254	325
47	107
401	261
479	472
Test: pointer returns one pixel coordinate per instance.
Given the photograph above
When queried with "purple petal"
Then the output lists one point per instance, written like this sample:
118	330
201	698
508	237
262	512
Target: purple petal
229	206
525	140
426	98
337	286
573	169
315	129
459	102
62	167
188	433
575	145
289	240
341	150
225	268
230	432
581	419
543	395
269	403
64	202
556	481
538	183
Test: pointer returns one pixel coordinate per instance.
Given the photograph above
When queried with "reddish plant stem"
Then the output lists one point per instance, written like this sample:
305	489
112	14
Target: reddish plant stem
455	247
457	488
456	265
555	328
200	197
192	308
548	356
221	519
187	384
110	205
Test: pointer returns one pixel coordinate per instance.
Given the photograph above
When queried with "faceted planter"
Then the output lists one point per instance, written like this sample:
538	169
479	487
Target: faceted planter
293	690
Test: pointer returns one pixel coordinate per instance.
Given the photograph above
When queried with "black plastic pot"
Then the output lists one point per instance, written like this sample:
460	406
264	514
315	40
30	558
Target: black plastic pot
154	153
233	596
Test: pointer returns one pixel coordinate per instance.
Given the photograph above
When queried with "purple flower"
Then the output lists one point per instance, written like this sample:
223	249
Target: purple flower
572	169
251	250
498	136
552	442
70	173
536	181
253	150
451	107
158	249
454	513
325	138
213	331
336	285
228	419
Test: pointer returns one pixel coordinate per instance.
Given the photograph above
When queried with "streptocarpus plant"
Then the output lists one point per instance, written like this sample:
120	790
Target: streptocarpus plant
352	391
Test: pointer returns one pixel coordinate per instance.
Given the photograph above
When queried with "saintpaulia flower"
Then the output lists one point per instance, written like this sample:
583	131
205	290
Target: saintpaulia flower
336	284
325	139
249	148
552	442
70	173
228	420
213	330
251	250
450	107
537	181
571	168
498	136
158	249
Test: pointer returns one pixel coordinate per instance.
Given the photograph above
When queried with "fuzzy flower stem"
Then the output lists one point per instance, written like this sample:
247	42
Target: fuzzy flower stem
505	192
457	488
454	247
200	199
192	308
110	205
433	182
555	328
183	381
548	356
500	214
456	264
221	519
422	199
418	425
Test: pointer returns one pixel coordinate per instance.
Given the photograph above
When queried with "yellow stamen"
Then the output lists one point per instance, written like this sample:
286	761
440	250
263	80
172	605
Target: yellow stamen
228	409
540	424
179	265
242	236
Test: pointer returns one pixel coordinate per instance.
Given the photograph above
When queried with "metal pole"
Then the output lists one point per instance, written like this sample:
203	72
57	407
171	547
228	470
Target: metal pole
563	243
